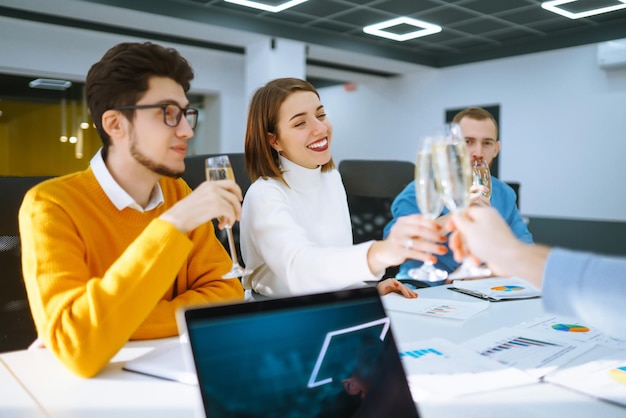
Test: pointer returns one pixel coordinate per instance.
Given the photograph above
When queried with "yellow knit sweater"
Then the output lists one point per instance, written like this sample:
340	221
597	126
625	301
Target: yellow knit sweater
97	277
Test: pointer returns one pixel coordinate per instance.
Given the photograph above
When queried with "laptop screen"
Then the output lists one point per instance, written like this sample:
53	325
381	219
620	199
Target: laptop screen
323	355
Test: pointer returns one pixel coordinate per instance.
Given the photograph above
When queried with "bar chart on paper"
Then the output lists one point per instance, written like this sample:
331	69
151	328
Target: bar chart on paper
515	349
439	308
438	368
527	350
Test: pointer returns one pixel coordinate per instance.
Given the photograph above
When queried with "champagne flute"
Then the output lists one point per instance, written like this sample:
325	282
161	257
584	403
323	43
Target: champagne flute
453	175
219	168
430	205
481	176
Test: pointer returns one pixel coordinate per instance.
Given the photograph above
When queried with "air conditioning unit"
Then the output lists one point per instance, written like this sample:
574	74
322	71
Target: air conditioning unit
612	54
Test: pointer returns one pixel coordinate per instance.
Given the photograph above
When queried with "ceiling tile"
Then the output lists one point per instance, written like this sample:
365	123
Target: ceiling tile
497	28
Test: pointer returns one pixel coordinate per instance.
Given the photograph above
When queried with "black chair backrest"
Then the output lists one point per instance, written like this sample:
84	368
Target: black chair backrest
17	329
376	178
195	174
371	186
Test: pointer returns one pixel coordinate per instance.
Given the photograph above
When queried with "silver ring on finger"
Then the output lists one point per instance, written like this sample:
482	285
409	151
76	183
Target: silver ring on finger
409	244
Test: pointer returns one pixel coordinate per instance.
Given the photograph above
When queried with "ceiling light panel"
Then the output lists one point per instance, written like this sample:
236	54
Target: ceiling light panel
425	29
267	6
50	84
554	7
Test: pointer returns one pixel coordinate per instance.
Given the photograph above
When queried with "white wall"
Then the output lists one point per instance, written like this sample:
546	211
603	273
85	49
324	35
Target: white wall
563	125
563	119
54	51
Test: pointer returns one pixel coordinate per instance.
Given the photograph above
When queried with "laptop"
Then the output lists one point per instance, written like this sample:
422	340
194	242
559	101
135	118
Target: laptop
321	355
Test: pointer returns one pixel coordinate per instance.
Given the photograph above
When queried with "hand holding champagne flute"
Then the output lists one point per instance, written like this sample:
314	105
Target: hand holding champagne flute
219	168
481	176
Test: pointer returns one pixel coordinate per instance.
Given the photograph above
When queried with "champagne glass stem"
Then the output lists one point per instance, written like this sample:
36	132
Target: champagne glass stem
231	246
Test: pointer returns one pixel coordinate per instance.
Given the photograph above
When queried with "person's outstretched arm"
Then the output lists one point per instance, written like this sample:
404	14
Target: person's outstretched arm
480	232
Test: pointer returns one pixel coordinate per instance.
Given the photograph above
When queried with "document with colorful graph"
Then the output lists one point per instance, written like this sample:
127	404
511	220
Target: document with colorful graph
528	350
438	308
573	329
438	369
497	288
603	376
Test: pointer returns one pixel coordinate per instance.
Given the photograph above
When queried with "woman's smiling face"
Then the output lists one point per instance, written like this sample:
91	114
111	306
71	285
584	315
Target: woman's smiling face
304	132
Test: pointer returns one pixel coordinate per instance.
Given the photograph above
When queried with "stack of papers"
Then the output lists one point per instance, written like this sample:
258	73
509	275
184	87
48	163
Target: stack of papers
497	288
603	377
438	369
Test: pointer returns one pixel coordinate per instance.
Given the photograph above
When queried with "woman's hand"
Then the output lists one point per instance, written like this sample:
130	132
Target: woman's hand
412	237
394	286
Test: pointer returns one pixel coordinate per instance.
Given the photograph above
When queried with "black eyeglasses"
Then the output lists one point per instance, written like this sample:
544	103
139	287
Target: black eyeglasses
172	113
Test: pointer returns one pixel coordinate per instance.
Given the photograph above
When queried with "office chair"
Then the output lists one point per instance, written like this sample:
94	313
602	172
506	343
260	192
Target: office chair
195	174
17	329
515	186
371	187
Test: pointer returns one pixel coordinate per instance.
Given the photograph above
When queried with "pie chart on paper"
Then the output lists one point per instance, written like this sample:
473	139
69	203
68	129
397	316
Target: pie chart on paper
507	288
570	328
619	374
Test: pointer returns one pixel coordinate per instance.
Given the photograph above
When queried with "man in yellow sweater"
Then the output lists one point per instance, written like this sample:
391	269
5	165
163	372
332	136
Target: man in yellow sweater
110	253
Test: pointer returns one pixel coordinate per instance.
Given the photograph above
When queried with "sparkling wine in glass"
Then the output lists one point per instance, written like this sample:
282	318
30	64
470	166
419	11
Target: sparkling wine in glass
481	176
430	205
219	168
453	173
453	176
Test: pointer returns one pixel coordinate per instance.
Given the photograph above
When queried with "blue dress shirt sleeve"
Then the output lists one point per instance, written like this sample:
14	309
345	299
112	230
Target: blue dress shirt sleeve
589	287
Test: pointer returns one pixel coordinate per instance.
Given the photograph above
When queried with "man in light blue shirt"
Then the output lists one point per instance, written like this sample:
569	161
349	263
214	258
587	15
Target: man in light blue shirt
481	135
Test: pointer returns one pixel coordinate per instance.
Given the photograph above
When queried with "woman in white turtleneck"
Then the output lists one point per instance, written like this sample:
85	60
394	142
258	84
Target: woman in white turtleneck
295	226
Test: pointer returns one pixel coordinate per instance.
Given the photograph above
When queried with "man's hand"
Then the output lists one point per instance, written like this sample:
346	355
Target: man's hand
478	196
211	199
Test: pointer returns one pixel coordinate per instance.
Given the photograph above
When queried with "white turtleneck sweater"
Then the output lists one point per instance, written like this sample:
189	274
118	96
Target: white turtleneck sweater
298	239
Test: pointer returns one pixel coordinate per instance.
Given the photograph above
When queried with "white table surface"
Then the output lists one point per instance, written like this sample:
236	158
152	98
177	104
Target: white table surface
39	384
15	401
113	393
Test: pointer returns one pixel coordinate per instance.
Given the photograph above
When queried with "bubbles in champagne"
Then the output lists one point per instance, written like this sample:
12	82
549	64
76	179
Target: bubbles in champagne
427	194
452	172
219	173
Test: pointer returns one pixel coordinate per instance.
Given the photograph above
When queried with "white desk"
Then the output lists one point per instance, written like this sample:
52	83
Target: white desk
15	401
113	393
40	386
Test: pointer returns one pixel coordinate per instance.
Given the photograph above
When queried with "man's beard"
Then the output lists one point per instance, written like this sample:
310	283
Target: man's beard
151	165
